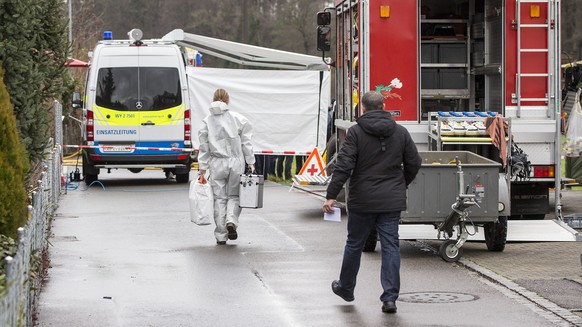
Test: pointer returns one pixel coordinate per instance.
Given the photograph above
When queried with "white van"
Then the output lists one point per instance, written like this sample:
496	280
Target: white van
136	111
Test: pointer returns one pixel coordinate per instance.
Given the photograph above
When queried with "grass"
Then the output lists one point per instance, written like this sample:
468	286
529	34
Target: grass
280	180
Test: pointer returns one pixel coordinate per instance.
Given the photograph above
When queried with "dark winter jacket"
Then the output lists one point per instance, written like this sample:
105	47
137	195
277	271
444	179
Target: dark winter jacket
380	159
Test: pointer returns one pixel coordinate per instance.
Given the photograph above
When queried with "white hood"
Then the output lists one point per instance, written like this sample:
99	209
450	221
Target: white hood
218	107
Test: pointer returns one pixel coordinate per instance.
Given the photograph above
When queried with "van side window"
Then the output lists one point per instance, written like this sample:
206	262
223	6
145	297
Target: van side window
138	88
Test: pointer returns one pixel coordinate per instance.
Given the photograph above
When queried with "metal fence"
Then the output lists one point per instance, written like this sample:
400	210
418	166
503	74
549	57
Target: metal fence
23	271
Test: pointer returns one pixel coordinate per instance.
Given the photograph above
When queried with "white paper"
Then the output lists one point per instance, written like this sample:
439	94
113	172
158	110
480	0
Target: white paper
335	216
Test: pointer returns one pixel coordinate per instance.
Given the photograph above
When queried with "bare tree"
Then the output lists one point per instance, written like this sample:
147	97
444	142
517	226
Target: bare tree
298	25
571	31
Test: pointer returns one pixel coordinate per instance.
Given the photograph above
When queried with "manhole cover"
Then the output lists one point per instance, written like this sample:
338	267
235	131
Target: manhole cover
437	297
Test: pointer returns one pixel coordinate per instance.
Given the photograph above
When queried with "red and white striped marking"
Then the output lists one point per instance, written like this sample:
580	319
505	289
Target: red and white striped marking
133	148
129	148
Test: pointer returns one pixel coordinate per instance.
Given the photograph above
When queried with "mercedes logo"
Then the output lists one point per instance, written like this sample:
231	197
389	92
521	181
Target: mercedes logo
138	105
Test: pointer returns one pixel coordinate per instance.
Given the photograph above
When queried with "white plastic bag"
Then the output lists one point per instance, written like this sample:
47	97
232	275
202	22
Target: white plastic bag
573	142
201	203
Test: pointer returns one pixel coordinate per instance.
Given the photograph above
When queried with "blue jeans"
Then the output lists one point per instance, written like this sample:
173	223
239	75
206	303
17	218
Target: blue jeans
360	225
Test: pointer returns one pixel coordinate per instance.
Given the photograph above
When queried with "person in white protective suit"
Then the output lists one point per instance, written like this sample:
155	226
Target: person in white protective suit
225	146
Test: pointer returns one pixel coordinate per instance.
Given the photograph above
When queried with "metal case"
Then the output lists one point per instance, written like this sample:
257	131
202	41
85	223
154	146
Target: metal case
251	191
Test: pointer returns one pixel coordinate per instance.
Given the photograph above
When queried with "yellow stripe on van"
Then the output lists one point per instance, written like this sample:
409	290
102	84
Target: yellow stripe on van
170	116
98	116
162	117
178	115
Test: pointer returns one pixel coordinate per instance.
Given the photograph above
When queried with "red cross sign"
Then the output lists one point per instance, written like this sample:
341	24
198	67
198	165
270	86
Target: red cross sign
313	165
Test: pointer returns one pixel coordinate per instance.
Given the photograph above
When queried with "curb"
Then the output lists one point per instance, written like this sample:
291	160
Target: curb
562	313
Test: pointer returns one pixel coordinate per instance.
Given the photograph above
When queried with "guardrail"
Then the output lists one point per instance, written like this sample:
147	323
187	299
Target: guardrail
23	270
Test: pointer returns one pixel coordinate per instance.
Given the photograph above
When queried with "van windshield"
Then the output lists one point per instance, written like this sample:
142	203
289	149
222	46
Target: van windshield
138	88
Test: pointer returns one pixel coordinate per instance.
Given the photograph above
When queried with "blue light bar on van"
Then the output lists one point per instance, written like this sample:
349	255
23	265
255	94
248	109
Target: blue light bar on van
107	35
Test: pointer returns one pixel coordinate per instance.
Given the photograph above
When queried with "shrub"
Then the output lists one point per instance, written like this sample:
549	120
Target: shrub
13	168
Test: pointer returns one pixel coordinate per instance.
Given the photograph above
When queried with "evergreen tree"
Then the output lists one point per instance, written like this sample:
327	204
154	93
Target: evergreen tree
13	167
34	47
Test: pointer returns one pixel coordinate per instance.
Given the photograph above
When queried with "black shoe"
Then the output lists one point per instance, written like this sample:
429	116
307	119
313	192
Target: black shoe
389	307
347	296
232	234
221	242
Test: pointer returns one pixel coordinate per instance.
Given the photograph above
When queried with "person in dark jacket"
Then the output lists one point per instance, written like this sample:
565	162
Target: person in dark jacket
381	160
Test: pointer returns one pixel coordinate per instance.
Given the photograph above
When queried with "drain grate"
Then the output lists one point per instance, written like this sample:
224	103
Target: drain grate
436	297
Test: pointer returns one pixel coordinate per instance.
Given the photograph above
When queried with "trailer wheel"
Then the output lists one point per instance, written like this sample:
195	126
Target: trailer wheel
496	234
448	252
370	245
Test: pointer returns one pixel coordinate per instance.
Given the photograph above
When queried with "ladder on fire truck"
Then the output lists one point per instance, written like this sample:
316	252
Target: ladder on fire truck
549	25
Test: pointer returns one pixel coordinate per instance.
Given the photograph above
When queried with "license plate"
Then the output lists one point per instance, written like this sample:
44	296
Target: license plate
117	148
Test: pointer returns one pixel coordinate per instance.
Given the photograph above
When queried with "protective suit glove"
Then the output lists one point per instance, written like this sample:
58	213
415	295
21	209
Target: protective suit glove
201	178
252	168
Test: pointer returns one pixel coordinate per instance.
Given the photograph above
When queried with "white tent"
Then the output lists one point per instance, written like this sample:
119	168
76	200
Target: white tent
287	109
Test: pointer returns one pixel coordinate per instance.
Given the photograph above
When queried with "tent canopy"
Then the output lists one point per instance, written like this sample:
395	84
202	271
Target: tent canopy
245	54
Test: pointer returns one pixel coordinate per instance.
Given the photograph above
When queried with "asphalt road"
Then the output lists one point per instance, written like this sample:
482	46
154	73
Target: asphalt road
126	254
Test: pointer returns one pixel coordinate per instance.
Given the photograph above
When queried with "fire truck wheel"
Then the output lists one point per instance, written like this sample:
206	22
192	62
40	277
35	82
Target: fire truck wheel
448	251
330	151
370	245
534	217
182	178
528	217
496	234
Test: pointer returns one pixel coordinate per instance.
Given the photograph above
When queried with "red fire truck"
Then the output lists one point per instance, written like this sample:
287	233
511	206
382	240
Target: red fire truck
467	58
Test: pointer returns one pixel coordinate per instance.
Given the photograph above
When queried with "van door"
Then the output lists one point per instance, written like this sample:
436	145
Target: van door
160	99
160	106
116	122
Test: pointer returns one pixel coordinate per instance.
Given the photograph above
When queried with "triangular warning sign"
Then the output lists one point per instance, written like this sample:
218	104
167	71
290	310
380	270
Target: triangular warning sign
313	165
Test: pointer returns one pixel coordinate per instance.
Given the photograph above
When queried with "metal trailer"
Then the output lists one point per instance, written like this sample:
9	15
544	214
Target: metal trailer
457	191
